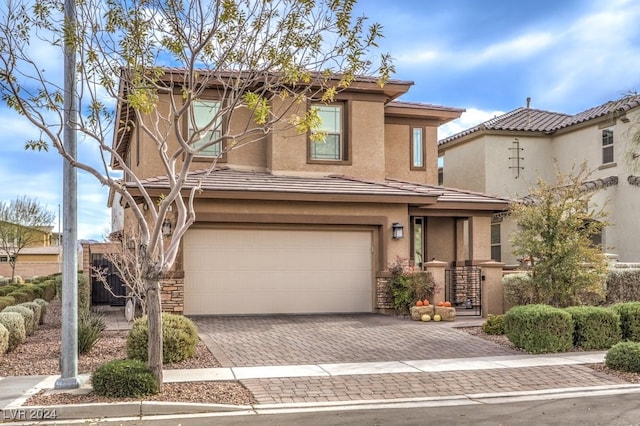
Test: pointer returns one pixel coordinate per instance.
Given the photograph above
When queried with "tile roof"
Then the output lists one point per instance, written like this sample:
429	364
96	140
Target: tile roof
226	179
534	120
586	186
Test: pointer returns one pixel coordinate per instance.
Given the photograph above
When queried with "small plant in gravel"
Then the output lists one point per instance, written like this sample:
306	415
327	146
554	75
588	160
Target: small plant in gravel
37	311
43	308
27	314
124	379
494	324
624	356
90	328
4	339
179	338
14	323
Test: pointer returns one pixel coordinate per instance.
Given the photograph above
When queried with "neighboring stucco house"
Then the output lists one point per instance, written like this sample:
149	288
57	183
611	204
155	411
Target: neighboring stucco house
43	256
507	154
287	225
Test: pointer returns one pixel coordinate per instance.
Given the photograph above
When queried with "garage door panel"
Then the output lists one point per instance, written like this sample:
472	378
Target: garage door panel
268	271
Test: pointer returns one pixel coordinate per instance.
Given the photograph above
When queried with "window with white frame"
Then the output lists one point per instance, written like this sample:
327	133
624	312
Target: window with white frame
417	148
607	146
333	147
206	116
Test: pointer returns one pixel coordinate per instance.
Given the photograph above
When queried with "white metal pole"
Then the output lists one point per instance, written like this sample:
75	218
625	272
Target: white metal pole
69	351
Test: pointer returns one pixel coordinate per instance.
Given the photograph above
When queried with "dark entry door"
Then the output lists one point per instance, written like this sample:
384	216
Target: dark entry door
101	295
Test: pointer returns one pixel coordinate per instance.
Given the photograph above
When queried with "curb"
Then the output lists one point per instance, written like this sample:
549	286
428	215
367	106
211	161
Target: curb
55	414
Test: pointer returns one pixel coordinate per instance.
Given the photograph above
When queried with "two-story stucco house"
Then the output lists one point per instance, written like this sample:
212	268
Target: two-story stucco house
289	225
507	154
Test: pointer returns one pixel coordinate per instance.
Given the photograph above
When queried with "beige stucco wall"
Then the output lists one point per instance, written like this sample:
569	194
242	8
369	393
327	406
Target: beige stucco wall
464	166
440	239
398	154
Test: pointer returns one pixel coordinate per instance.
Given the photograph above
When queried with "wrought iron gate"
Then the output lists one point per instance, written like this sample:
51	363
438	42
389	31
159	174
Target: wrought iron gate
463	288
99	294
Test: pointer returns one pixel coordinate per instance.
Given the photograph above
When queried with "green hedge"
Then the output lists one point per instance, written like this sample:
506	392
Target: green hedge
629	320
14	323
124	379
624	356
4	339
539	328
21	296
595	327
27	315
518	289
179	338
48	289
494	324
7	301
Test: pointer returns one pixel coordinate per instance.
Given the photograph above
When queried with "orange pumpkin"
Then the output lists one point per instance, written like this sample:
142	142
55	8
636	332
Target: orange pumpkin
419	303
447	304
426	302
440	303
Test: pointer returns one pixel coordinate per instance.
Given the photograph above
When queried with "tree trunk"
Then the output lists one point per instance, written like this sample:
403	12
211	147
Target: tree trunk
154	323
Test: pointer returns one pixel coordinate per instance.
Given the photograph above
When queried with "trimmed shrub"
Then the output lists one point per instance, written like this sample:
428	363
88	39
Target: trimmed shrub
37	312
595	327
43	308
629	320
6	289
623	285
90	328
124	379
539	328
518	289
48	289
4	339
27	314
7	301
21	296
624	356
14	323
494	324
179	338
84	293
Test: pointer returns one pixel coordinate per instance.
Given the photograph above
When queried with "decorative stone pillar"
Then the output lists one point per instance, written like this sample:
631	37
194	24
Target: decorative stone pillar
492	288
437	268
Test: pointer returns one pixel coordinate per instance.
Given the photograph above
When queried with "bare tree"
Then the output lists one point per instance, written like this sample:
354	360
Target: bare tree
154	60
23	223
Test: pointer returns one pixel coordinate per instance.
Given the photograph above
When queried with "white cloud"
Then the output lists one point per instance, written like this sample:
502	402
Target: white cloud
471	117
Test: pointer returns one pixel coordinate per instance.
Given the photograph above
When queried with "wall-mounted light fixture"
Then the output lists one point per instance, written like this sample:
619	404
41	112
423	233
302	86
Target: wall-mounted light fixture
166	227
398	230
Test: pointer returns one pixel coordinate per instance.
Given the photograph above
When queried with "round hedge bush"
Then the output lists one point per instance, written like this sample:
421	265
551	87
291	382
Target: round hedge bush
624	356
14	323
4	339
37	311
43	308
179	337
27	314
124	379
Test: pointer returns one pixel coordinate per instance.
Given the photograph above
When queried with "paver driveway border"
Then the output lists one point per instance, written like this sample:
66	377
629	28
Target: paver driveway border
341	338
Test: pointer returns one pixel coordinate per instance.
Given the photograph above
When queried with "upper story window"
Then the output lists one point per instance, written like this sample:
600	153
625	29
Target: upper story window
204	112
334	146
607	146
417	149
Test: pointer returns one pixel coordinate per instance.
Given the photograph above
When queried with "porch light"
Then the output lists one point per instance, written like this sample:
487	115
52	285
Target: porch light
398	230
166	227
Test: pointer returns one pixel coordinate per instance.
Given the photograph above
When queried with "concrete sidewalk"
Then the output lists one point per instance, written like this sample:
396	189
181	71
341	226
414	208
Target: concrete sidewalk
329	386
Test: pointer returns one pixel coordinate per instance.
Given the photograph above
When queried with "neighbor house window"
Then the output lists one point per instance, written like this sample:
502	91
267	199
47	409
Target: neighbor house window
417	149
334	145
4	259
205	114
441	170
607	146
495	242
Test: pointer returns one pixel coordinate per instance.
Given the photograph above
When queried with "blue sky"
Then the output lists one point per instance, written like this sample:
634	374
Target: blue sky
486	56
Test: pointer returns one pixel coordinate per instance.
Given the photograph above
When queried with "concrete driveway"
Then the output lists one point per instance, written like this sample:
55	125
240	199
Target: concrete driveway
311	339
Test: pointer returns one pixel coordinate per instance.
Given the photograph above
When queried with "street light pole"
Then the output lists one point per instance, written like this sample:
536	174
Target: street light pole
69	351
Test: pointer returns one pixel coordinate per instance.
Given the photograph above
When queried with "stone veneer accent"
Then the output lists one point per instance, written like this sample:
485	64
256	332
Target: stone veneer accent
383	300
172	294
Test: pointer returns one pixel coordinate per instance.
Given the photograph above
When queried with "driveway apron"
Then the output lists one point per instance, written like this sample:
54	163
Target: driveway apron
312	339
